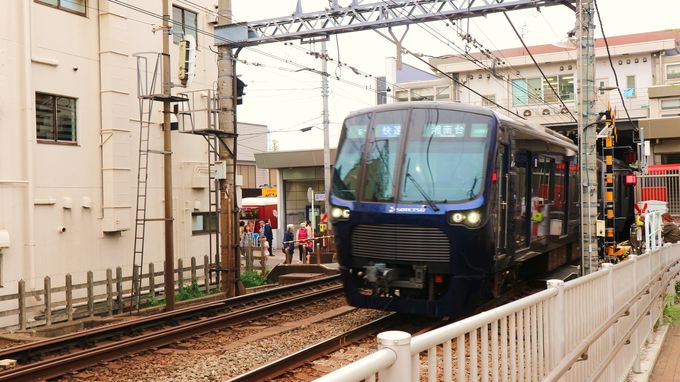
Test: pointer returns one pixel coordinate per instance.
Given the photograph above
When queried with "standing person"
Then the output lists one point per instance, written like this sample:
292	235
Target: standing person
310	243
301	238
670	231
289	243
269	235
245	239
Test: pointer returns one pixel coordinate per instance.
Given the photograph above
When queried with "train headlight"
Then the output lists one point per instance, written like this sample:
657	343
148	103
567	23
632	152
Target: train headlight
469	218
457	217
340	213
473	218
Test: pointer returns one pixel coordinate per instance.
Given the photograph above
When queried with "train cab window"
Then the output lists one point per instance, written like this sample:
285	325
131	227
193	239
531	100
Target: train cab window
384	143
353	140
542	193
445	156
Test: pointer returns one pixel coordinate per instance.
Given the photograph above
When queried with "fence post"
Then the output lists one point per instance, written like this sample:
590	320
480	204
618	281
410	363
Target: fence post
635	311
400	343
610	310
48	300
109	291
193	270
90	293
69	297
180	273
152	282
22	305
249	258
136	288
119	290
558	341
206	273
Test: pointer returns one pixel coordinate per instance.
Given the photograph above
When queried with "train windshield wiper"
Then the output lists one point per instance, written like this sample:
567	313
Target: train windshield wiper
472	189
429	200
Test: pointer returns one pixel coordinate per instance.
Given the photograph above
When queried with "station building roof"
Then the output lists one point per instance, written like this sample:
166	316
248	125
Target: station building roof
292	159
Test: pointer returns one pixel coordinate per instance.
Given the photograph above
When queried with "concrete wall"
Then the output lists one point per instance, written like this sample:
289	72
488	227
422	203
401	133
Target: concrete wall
89	187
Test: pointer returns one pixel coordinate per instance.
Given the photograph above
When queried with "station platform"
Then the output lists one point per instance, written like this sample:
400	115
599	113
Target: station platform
667	367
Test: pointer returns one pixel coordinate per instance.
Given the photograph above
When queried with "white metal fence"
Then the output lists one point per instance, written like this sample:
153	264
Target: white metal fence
663	185
588	329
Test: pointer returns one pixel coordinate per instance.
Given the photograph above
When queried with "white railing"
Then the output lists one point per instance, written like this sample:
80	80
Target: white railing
588	329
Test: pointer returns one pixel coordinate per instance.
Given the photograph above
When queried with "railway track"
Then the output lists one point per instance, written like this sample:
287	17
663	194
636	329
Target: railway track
61	355
393	321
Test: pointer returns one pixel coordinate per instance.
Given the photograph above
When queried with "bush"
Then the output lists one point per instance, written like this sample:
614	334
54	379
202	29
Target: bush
671	311
252	279
151	301
189	292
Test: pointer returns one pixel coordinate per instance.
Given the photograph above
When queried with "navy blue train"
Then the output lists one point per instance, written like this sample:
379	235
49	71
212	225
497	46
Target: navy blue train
435	204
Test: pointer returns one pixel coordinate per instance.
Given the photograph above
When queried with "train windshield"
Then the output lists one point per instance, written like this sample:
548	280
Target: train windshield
445	156
348	161
443	160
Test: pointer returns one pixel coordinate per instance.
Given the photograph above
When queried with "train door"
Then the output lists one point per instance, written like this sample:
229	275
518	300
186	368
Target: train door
501	176
520	201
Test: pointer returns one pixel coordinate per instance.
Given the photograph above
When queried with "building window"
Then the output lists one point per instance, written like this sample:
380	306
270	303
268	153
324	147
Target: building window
381	91
630	86
422	94
673	71
184	23
489	100
670	158
443	93
203	223
74	6
536	91
402	96
566	87
55	118
670	104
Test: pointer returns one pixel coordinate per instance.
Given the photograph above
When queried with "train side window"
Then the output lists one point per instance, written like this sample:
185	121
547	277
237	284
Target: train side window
542	194
574	194
558	210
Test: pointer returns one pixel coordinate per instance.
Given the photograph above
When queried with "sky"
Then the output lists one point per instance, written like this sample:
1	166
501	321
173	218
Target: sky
287	100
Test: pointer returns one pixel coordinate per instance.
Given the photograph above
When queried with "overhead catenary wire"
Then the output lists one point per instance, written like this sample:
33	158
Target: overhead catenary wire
611	63
538	66
467	56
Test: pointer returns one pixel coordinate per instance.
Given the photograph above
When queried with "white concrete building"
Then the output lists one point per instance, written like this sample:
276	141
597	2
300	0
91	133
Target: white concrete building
647	64
69	138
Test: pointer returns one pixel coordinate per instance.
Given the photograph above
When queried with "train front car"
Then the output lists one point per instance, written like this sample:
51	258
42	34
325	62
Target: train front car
411	202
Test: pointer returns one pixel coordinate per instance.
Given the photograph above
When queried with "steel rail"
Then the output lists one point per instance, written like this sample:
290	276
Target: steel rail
87	338
290	362
62	364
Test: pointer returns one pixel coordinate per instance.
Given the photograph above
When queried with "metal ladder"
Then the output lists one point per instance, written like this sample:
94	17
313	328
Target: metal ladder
144	87
213	202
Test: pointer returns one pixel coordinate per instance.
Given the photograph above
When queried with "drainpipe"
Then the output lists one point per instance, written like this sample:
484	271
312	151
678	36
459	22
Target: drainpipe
29	142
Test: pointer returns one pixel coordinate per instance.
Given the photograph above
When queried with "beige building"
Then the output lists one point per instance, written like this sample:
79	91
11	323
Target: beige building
69	138
647	64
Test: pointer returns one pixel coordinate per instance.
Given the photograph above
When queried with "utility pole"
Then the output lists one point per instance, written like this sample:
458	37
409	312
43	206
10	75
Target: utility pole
169	272
326	139
226	118
587	134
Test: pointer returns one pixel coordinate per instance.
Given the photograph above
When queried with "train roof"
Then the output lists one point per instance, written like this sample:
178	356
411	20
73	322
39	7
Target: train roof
547	134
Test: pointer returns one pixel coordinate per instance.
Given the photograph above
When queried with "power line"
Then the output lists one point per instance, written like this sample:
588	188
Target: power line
538	66
611	63
470	58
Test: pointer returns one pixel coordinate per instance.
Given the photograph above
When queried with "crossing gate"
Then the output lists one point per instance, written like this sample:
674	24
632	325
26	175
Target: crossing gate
588	329
662	183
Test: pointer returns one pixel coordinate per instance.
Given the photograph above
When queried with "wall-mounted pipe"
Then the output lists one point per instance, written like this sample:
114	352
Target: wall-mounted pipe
29	142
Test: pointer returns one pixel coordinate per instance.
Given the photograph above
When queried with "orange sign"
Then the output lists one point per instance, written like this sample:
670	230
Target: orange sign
269	192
